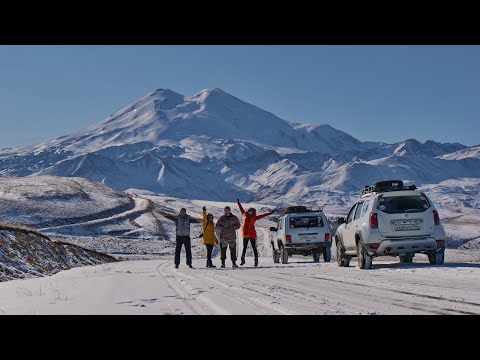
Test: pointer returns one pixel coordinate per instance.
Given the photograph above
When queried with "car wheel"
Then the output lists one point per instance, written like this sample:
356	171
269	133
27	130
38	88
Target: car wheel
342	260
436	258
364	260
284	254
275	255
327	254
440	257
407	258
316	257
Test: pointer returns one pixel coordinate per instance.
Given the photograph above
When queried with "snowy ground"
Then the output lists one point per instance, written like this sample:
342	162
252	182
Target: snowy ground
300	287
149	284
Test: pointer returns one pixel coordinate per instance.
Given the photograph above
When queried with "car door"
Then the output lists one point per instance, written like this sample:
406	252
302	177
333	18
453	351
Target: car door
281	232
357	219
349	232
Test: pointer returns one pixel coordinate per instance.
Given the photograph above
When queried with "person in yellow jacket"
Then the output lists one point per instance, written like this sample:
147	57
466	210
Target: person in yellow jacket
209	238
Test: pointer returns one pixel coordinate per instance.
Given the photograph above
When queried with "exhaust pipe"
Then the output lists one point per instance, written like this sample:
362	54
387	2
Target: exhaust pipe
387	250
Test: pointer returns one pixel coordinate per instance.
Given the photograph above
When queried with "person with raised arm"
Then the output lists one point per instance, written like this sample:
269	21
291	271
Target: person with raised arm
209	238
248	231
182	225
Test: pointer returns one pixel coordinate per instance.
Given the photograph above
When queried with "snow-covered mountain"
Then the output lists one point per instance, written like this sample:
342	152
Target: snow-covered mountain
215	146
472	152
165	115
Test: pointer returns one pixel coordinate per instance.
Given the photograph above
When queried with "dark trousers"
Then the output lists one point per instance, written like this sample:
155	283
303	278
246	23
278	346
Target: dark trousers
183	240
209	253
254	247
224	244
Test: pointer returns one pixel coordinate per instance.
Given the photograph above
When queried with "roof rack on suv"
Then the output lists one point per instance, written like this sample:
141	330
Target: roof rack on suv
388	185
300	209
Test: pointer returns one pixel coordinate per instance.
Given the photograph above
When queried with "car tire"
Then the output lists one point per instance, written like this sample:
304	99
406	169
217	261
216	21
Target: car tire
284	254
436	258
342	260
316	256
408	258
327	254
275	255
364	260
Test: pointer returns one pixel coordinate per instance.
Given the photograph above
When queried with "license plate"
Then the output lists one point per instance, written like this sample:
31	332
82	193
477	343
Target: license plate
407	227
307	237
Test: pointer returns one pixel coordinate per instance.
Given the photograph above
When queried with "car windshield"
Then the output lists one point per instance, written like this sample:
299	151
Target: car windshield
403	204
306	222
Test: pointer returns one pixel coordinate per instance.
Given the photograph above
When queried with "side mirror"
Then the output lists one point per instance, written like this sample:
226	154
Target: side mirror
341	221
273	229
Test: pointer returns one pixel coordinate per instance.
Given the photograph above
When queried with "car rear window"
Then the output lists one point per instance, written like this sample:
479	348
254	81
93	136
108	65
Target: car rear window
306	222
403	204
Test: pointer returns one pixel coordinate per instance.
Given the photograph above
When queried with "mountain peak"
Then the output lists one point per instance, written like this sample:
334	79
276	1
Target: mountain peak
213	95
167	93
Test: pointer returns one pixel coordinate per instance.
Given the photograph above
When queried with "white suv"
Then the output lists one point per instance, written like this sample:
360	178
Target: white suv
301	231
390	219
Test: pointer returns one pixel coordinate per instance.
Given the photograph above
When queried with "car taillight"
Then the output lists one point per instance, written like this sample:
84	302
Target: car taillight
373	220
436	218
327	236
288	238
440	243
374	245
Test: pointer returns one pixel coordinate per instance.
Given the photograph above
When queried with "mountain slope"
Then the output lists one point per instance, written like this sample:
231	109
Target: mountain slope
473	152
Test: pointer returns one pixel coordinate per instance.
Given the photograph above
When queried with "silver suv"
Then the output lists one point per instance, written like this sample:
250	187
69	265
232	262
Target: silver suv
301	232
390	219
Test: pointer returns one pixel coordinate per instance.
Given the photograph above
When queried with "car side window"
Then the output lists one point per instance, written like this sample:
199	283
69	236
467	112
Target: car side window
350	214
366	204
358	211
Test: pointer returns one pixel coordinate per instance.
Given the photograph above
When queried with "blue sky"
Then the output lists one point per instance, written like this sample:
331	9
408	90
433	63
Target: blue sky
375	93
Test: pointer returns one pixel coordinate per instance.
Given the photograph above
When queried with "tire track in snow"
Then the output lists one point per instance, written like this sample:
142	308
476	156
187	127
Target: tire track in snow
332	299
392	288
182	294
287	296
264	306
401	291
224	298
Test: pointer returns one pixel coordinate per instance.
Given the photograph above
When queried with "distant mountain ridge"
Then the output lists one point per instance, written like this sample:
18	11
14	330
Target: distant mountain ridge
215	146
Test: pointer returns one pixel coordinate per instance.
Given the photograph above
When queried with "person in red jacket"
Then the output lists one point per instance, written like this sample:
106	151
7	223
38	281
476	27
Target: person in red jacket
248	230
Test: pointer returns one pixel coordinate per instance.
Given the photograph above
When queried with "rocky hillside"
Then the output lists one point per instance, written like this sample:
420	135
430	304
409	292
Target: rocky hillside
27	253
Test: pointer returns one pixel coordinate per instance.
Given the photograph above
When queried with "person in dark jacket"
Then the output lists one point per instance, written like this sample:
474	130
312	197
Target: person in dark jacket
228	224
182	223
248	231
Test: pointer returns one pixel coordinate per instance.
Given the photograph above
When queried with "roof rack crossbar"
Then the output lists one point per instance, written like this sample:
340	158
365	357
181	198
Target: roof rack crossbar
396	186
299	209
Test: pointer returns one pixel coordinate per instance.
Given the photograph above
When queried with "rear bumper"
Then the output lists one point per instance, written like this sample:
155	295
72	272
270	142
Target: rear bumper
309	246
403	246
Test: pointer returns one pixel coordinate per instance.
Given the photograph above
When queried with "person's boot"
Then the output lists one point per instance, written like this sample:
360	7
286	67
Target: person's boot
211	264
208	264
243	261
256	261
234	265
223	263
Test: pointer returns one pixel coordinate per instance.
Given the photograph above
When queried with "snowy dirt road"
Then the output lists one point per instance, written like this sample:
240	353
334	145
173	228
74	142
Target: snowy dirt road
300	287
